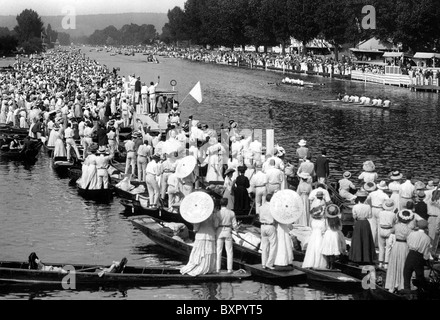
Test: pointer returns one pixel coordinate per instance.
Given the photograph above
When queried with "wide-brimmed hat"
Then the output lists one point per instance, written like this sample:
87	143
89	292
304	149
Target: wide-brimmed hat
241	169
332	211
93	148
419	185
185	166
302	143
405	216
382	185
304	175
421	194
370	186
396	175
368	166
229	170
347	175
317	212
196	207
286	206
388	204
361	193
156	156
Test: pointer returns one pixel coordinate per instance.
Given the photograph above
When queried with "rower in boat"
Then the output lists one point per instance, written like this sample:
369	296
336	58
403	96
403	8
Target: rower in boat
346	98
15	144
354	99
36	264
386	103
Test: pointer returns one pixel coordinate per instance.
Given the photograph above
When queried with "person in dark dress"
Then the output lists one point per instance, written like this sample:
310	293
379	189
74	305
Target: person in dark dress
362	250
241	195
322	168
421	208
102	135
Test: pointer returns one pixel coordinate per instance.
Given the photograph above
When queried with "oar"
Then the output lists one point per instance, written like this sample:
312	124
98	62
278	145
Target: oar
91	268
238	235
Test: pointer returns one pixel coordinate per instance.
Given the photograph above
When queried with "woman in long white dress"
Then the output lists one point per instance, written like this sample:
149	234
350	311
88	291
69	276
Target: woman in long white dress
314	258
284	255
215	168
3	112
228	183
304	189
60	148
89	178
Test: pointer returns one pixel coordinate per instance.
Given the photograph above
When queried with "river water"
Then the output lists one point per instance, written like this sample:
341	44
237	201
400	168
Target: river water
41	212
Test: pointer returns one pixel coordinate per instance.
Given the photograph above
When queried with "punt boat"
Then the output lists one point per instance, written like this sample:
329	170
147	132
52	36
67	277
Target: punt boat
15	272
154	230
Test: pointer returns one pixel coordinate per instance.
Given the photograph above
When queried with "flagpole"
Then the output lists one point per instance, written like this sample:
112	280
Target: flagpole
180	103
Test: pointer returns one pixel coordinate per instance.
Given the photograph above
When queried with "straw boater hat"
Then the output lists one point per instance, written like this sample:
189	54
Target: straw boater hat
286	206
370	186
229	170
317	212
186	166
430	185
419	185
396	175
361	193
332	211
304	175
347	175
382	185
302	143
369	166
405	216
421	194
388	204
196	207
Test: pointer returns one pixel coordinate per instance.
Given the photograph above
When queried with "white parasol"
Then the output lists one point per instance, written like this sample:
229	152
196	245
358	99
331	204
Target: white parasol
185	166
196	207
286	206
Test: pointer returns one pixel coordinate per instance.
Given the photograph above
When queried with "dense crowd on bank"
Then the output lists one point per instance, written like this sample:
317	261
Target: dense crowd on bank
73	103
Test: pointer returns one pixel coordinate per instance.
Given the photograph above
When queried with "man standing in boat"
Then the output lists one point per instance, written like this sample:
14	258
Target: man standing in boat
152	93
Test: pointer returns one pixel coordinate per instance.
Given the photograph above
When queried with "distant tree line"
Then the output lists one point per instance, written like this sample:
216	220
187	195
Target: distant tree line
129	34
415	24
29	35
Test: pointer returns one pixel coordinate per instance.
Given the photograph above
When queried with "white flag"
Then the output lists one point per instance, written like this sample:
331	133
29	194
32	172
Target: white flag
196	92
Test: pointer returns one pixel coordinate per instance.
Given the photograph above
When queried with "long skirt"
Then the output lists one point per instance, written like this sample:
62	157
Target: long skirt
362	248
90	178
398	255
305	217
314	257
284	255
60	149
202	259
332	244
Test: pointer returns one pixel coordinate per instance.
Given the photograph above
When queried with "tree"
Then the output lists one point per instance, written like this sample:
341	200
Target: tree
29	26
51	35
301	19
8	43
337	21
64	39
175	29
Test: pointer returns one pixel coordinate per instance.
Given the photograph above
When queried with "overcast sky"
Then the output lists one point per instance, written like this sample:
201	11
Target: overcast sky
56	7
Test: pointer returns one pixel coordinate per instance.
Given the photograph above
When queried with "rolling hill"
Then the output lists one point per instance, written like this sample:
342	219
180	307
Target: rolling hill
87	24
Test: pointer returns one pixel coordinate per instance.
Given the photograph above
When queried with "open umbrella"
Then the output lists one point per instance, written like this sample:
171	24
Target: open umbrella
286	206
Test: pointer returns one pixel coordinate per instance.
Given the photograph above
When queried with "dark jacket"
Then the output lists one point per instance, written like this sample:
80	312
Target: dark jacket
322	167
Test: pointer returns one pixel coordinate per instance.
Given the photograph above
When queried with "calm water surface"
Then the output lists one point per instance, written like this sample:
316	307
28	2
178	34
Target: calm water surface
41	212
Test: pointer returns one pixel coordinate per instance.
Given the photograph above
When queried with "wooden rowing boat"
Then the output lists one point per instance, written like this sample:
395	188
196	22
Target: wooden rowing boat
378	290
98	195
61	165
153	229
14	272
